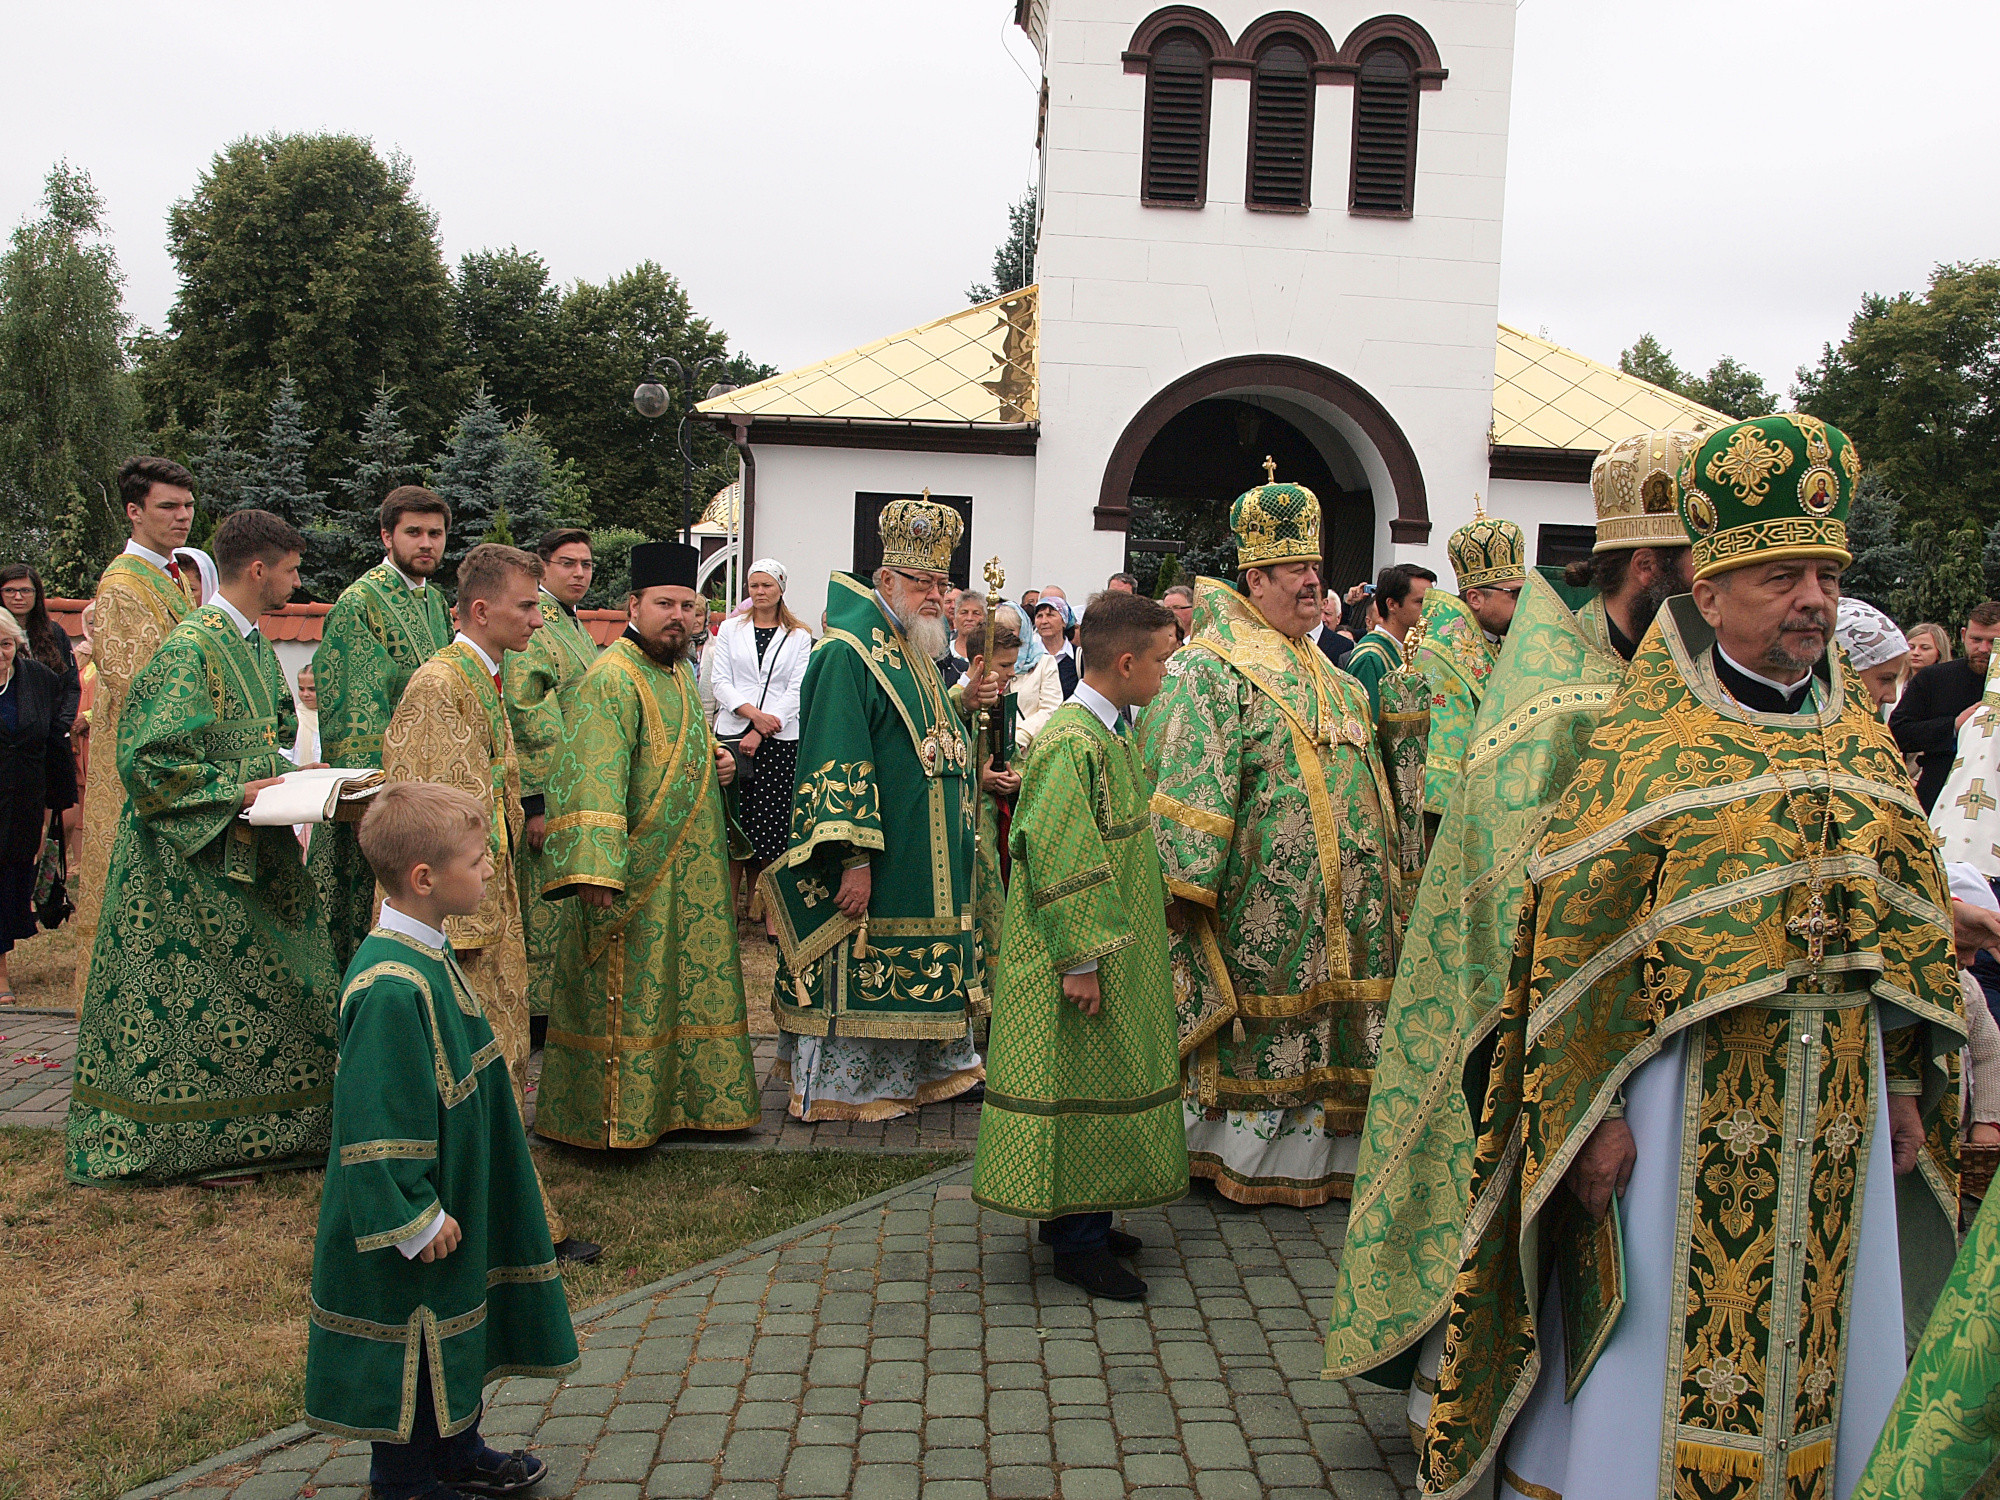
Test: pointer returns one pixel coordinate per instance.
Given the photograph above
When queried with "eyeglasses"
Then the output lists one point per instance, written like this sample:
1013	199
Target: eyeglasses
926	585
1513	593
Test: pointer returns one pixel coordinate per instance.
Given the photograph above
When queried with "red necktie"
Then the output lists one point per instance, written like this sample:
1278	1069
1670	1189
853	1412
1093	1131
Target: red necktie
496	685
174	571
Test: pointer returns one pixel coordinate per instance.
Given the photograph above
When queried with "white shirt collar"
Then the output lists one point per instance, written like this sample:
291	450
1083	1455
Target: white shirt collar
243	623
1789	689
410	927
408	582
488	662
1068	649
147	554
1097	703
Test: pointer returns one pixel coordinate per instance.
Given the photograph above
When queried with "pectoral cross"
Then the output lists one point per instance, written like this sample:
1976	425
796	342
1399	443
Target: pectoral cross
1813	926
1975	801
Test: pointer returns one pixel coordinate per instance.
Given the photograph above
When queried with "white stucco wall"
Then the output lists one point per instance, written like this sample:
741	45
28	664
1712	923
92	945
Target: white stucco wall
805	511
1134	297
1531	503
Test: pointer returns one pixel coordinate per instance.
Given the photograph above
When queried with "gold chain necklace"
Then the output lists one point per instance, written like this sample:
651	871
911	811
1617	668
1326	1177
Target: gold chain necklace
1815	925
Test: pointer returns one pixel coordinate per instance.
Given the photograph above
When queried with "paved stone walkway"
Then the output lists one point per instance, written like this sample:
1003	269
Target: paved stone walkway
36	1052
916	1349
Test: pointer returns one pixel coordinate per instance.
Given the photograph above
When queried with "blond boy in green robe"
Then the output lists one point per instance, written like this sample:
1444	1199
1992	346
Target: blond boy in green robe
1083	1113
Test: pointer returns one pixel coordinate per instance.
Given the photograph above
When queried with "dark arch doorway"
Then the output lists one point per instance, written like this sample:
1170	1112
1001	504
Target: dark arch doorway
1338	423
1209	453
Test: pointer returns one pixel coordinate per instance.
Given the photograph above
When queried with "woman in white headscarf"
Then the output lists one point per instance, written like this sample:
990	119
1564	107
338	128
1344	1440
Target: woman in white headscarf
1876	648
757	664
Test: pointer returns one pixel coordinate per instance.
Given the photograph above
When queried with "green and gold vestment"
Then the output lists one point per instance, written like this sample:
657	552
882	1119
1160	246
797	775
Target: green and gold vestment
655	1035
1276	823
1082	1113
424	1124
379	631
887	771
541	695
1374	657
206	1044
1556	676
1457	658
1664	908
1943	1436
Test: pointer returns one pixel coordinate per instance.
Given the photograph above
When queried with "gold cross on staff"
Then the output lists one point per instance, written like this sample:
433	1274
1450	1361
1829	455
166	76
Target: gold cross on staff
1813	926
996	578
1270	469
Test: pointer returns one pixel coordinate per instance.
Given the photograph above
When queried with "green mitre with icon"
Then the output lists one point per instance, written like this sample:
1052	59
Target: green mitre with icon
1768	489
1275	523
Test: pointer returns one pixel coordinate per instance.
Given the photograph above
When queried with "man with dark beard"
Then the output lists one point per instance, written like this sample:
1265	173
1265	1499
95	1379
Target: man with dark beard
1556	675
655	1036
878	977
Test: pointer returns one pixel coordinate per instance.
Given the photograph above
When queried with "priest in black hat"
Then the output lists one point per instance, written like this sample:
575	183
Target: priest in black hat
655	1036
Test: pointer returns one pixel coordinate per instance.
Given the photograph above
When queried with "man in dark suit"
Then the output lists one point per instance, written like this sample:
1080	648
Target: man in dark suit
1327	635
1940	698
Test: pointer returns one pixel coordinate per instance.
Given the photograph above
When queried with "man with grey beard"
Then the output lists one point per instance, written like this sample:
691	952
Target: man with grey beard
878	978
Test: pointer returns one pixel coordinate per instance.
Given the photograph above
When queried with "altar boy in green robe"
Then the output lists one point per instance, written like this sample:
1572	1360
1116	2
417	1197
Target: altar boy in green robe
433	1272
1083	1112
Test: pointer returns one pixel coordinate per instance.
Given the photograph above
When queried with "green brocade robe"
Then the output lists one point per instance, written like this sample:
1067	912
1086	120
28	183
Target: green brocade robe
1082	1113
205	1046
886	769
1556	676
1275	820
1374	657
541	697
1942	1439
654	1034
379	631
424	1124
1659	910
1457	658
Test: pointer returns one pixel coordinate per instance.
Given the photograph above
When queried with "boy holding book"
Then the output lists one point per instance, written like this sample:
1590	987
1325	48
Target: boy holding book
1083	1097
433	1271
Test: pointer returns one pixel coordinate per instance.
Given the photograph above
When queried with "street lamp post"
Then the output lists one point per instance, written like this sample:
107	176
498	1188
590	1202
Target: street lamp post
650	398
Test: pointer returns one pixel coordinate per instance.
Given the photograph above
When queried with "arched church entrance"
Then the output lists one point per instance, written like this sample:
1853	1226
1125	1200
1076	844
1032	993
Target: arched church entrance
1203	441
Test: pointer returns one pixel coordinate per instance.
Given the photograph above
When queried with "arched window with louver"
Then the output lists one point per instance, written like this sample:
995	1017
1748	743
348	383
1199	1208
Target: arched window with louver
1384	176
1281	127
1175	171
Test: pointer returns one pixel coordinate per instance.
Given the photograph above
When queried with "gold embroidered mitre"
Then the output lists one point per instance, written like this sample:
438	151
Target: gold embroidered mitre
1767	489
1275	523
1636	483
919	535
1486	551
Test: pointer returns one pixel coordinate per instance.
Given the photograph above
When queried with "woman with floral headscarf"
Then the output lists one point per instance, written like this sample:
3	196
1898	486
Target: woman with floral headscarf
1876	648
1041	689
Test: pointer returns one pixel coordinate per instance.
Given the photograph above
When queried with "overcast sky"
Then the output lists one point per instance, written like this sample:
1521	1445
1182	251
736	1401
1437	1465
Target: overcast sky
1733	176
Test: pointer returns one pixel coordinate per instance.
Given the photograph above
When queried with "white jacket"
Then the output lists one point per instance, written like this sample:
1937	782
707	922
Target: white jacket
733	670
1037	694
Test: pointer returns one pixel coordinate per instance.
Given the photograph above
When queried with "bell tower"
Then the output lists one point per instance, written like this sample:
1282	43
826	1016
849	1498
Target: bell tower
1268	231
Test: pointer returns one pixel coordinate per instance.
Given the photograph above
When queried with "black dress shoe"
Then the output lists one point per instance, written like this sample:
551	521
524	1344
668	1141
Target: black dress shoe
498	1474
1117	1241
974	1095
578	1252
1101	1276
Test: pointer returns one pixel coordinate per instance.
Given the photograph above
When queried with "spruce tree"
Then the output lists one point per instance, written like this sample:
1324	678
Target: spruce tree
276	480
469	478
222	467
382	462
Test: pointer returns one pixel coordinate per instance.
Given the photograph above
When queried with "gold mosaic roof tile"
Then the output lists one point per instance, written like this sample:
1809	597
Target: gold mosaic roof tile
1546	396
974	366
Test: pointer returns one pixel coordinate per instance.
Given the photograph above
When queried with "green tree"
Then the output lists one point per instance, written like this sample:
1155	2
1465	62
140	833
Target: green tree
1945	578
66	405
610	336
1881	568
612	548
1916	385
308	255
468	478
535	491
276	481
1730	386
381	462
506	317
222	467
1014	257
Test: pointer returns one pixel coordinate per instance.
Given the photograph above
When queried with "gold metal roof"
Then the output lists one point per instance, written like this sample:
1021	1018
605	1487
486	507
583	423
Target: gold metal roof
974	366
1546	396
979	366
724	510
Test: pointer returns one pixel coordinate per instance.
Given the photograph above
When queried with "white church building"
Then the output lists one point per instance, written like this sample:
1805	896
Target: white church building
1262	232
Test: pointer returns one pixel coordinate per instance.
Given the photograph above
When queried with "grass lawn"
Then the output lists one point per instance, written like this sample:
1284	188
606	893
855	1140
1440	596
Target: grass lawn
43	969
146	1330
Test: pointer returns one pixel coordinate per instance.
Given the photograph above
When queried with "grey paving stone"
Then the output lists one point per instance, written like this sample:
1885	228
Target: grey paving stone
832	1401
1289	1469
680	1481
707	1399
634	1416
1141	1414
894	1381
827	1431
954	1396
1085	1444
773	1388
1152	1470
608	1492
956	1362
954	1432
1022	1482
818	1471
756	1456
1017	1411
1227	1484
884	1481
1092	1484
1215	1445
782	1416
1078	1390
583	1400
892	1416
889	1448
1013	1448
954	1489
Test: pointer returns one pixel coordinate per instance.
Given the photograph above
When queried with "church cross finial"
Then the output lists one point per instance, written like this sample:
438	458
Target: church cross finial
1478	506
1270	469
927	492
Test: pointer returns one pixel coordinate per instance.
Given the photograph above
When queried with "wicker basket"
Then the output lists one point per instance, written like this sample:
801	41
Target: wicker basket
1975	1170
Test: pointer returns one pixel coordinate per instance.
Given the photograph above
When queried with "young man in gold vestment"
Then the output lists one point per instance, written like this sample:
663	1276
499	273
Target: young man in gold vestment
451	728
139	600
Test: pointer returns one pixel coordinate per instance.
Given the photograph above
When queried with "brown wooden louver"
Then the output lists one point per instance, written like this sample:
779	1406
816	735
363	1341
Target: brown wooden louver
1281	122
1177	121
1385	134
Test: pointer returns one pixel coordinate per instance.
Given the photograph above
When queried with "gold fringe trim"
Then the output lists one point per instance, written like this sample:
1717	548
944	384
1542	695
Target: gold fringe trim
1532	1491
1236	1190
1810	1459
1715	1461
